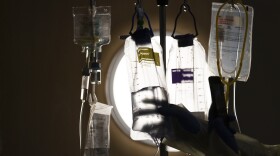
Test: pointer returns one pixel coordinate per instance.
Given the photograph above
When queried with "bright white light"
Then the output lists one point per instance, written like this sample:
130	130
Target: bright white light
121	92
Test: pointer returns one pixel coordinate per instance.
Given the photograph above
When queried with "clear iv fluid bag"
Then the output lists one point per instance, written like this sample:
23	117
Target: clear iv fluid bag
231	30
82	20
98	132
92	25
187	74
102	25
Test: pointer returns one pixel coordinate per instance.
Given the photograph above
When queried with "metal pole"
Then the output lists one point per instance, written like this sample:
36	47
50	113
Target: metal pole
162	27
162	23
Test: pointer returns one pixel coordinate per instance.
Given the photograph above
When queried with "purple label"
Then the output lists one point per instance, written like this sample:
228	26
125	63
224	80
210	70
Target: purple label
182	75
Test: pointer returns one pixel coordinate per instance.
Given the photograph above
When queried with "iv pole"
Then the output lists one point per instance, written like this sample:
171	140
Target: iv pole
162	4
162	27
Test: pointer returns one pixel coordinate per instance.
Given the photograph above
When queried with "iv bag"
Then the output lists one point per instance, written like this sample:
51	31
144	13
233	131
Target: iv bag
102	25
98	135
92	26
187	76
231	25
147	82
82	20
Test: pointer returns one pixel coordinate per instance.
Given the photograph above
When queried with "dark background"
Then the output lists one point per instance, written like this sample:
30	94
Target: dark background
40	74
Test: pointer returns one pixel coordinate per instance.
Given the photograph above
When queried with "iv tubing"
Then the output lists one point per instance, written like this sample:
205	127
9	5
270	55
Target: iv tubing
234	108
86	49
229	83
80	124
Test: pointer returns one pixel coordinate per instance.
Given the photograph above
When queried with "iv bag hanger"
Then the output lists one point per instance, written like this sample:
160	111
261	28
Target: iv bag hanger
140	14
139	11
140	22
185	6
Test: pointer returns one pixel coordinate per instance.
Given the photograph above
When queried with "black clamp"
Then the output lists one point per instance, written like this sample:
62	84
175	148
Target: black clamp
95	66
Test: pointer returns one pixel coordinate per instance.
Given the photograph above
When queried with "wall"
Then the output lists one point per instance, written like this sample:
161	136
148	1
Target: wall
40	72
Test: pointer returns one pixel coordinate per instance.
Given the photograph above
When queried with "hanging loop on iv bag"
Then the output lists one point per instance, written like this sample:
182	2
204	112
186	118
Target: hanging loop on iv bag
140	30
149	23
185	6
230	42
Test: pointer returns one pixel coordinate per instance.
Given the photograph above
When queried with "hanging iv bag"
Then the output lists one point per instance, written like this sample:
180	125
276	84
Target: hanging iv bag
147	84
231	30
82	24
92	26
98	132
187	76
102	25
101	21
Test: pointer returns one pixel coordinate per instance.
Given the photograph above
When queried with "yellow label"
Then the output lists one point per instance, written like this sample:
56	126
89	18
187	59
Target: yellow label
157	61
147	54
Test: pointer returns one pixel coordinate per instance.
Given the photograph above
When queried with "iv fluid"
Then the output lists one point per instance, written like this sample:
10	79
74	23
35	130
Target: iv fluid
98	137
98	133
83	32
187	74
231	25
102	25
92	26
